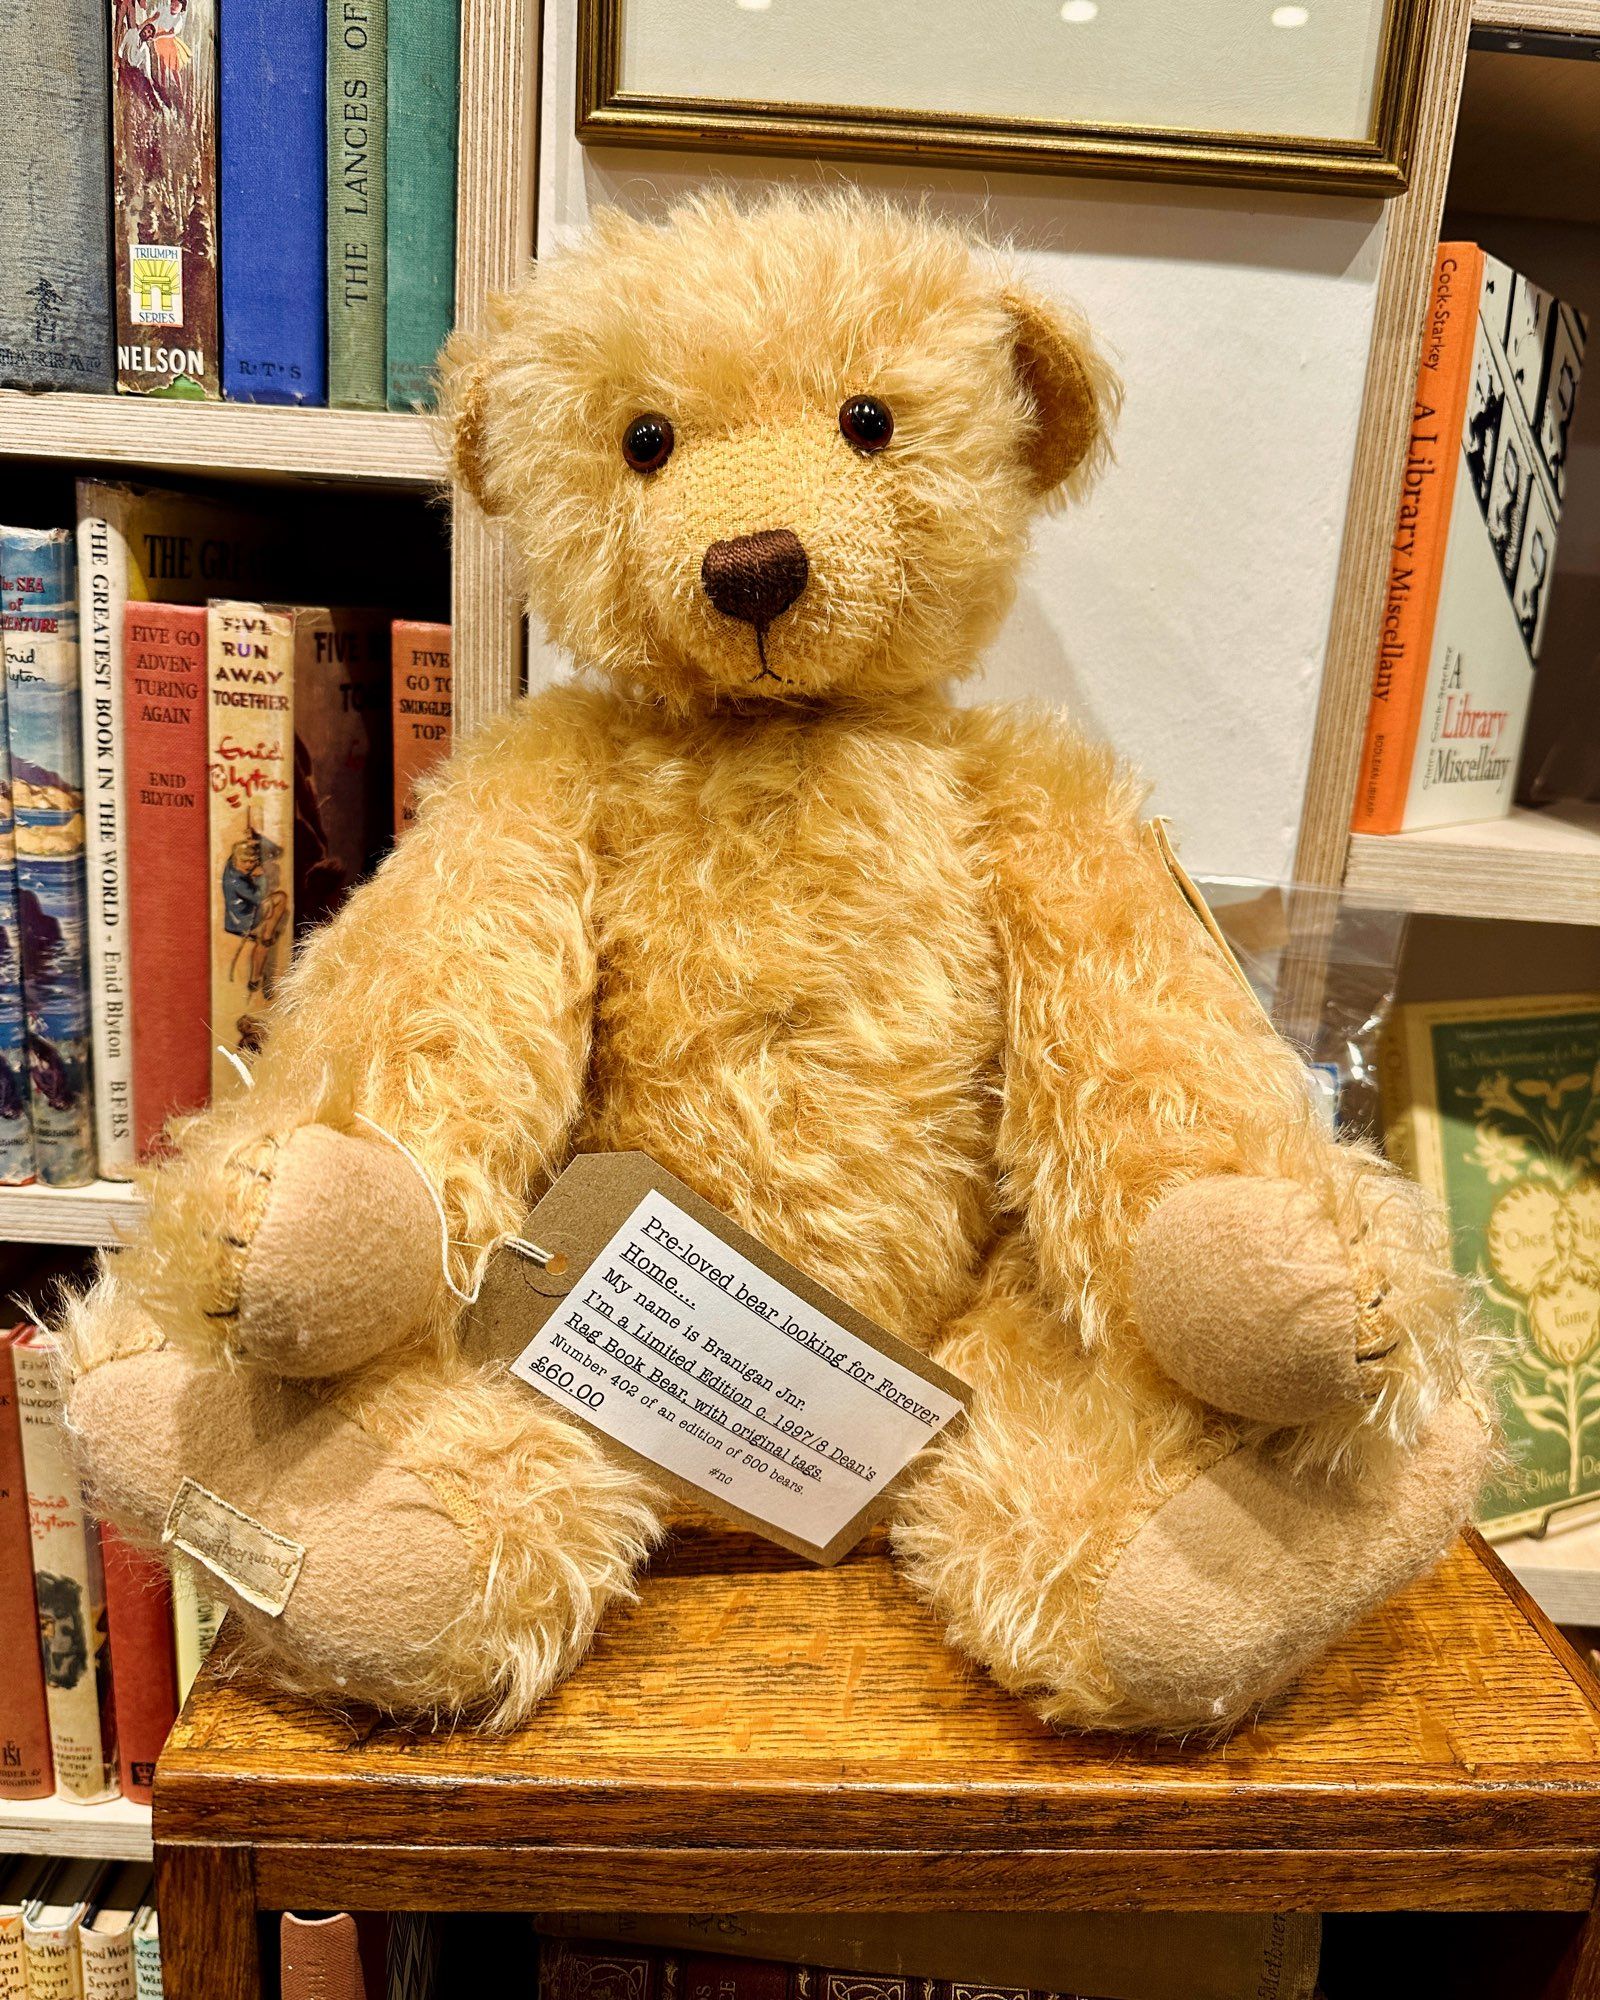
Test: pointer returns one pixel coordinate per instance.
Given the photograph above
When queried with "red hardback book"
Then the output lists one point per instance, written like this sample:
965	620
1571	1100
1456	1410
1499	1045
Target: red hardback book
144	1674
25	1768
169	975
424	707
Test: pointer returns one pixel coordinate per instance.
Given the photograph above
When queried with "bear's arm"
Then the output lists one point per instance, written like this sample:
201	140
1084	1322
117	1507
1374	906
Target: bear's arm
449	1001
1133	1060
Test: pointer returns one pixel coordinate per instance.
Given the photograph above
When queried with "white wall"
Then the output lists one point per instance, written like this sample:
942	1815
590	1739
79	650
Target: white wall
1182	613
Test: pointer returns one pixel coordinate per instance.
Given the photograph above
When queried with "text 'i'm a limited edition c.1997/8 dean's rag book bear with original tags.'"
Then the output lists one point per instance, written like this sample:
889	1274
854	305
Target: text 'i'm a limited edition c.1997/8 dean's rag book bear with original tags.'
895	984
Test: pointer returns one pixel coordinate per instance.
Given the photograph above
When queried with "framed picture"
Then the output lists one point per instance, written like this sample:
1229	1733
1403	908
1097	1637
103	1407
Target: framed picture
1322	95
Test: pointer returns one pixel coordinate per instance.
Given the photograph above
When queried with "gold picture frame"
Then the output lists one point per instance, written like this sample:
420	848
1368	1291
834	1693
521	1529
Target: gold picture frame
1377	164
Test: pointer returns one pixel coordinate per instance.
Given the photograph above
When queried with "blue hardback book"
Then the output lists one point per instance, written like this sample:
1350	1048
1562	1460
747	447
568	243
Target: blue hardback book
55	197
39	603
274	203
16	1127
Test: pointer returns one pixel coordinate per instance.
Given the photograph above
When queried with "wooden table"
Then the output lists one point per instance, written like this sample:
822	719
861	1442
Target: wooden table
757	1734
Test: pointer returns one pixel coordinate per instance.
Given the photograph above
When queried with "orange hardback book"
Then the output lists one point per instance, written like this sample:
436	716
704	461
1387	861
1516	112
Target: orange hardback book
1416	555
423	707
164	728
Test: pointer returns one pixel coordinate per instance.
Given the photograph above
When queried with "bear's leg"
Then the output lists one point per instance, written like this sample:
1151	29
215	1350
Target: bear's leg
1123	1556
460	1537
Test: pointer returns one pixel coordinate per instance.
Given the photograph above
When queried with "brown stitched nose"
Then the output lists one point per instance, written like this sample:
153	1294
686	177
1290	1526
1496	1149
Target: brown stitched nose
754	577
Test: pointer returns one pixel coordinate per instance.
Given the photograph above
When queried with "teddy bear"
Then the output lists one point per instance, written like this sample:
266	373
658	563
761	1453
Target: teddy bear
898	984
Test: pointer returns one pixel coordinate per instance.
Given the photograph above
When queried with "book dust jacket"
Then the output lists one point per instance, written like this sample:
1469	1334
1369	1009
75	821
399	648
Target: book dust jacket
164	219
1496	1105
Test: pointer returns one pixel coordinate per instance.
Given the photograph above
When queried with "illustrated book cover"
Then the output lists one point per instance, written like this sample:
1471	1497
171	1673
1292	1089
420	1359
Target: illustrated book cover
1494	1105
164	154
16	1123
1474	548
424	708
341	753
43	726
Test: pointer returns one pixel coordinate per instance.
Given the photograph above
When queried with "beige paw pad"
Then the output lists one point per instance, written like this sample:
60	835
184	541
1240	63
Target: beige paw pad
1243	1578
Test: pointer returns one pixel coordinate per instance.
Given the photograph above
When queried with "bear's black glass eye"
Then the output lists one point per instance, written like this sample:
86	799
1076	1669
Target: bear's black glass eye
647	443
867	423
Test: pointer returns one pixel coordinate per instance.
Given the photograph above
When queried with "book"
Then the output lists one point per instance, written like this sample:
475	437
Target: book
250	752
68	1584
929	1956
330	1958
105	1933
25	1768
166	748
274	204
147	1954
136	543
1473	553
50	1925
164	158
55	247
40	618
424	62
412	1955
357	41
20	1881
424	708
341	753
196	1620
144	1675
1494	1105
16	1125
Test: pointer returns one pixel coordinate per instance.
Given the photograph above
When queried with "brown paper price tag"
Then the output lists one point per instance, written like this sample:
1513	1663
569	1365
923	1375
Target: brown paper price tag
699	1352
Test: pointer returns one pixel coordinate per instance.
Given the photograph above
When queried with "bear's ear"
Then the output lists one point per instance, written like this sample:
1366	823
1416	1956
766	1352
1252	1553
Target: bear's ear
1074	393
465	369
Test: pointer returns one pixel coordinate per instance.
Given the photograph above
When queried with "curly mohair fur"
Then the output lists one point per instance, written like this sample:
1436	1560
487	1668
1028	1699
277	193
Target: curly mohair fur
898	985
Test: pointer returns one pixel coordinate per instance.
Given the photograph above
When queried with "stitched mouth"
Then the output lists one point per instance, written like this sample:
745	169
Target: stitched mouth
765	672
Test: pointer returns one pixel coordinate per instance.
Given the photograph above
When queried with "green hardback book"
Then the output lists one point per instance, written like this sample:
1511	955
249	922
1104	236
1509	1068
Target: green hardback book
1494	1105
424	66
358	124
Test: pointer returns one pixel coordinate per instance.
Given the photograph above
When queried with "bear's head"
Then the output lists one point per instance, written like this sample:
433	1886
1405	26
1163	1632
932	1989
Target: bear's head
787	452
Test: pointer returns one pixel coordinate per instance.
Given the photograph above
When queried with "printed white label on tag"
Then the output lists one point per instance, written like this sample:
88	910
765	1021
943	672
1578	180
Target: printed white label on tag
682	1349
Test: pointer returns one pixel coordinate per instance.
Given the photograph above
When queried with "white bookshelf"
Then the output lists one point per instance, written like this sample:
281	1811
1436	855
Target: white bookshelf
1540	866
95	1215
117	1830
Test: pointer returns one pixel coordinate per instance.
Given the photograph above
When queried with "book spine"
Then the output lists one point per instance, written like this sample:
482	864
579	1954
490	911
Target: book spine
13	1954
68	1588
424	708
274	204
196	1620
250	752
25	1769
164	151
107	1965
54	1963
423	69
16	1126
55	246
144	1675
147	1955
102	592
357	138
43	726
341	714
169	847
1417	552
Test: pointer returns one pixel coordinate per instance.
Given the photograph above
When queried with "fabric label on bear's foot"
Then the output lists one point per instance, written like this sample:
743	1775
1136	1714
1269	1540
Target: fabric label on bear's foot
702	1352
256	1564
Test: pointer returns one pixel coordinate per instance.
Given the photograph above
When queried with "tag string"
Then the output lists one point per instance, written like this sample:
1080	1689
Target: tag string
507	1239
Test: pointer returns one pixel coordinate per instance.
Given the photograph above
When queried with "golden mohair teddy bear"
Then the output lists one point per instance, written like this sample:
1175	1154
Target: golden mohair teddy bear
895	983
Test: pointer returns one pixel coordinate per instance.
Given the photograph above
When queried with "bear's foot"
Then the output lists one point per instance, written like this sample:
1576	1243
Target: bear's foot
1241	1579
384	1581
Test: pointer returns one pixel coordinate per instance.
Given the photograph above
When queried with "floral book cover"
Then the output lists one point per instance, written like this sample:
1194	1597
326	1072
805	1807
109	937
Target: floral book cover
1495	1106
